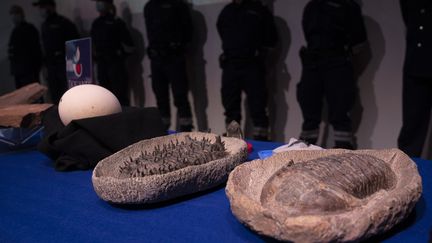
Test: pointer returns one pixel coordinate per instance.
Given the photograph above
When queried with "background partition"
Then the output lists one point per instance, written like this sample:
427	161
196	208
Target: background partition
377	113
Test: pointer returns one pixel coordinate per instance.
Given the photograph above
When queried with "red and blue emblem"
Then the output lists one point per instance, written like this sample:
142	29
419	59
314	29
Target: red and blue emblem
77	66
79	62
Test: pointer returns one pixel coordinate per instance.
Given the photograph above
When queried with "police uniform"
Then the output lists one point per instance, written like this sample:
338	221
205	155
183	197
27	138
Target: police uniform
417	76
112	42
169	29
25	54
247	31
56	30
332	29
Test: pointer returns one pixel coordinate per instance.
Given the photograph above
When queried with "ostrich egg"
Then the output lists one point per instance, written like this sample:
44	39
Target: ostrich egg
85	101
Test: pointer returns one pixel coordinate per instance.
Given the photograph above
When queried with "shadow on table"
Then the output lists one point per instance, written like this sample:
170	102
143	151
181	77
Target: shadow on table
430	236
166	203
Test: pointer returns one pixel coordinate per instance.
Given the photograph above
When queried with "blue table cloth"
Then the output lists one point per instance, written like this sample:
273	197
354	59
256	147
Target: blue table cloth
38	204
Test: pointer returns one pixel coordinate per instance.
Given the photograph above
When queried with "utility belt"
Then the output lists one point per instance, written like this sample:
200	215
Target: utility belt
325	52
309	56
159	52
54	57
254	57
110	56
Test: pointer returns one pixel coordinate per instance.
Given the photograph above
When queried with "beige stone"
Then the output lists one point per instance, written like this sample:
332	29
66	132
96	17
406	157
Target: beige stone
112	186
325	195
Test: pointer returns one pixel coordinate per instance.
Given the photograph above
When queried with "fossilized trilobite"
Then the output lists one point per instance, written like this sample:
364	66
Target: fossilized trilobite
166	167
325	196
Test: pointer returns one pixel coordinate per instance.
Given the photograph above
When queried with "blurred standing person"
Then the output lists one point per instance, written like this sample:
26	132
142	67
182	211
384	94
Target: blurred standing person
334	30
417	76
169	30
24	50
248	31
56	30
112	42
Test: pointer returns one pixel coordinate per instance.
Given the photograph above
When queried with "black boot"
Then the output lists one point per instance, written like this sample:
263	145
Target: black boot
309	136
185	124
185	128
344	139
344	145
260	134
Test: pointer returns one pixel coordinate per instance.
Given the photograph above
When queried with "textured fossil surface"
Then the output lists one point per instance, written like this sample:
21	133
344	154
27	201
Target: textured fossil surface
326	184
173	156
322	196
163	168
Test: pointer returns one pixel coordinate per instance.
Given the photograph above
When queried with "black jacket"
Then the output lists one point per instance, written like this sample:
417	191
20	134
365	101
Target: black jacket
333	25
111	38
168	24
24	50
83	143
417	16
56	30
246	28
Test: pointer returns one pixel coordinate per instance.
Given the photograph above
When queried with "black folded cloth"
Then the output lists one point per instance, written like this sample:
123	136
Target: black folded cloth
83	143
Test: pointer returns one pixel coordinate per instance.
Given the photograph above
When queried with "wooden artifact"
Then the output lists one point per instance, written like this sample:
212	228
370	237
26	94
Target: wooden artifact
16	109
25	95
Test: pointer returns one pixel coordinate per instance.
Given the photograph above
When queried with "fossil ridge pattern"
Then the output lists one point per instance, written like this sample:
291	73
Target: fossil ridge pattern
327	184
173	156
167	167
325	195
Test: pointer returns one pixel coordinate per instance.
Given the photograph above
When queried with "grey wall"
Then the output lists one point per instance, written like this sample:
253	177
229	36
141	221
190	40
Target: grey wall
378	110
6	81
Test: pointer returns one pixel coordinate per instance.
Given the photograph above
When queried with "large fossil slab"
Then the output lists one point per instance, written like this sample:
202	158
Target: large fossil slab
167	167
326	195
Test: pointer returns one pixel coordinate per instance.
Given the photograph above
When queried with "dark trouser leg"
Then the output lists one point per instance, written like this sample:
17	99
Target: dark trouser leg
28	78
102	75
231	94
160	86
176	72
310	97
57	82
253	77
416	111
112	75
118	79
20	81
340	95
31	77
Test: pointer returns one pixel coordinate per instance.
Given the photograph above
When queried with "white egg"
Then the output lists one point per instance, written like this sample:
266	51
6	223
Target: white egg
87	100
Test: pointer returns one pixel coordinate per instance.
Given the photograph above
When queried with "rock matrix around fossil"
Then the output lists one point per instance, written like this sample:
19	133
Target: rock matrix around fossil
167	167
325	196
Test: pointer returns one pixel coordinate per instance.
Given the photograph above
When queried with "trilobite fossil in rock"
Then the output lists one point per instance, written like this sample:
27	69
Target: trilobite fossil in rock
166	167
327	184
325	196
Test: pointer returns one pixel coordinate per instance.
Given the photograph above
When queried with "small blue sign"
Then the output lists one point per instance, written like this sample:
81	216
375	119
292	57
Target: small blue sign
79	62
